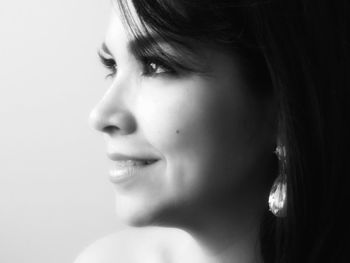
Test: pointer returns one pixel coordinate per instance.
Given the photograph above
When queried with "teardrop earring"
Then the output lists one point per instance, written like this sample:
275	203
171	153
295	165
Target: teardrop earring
278	192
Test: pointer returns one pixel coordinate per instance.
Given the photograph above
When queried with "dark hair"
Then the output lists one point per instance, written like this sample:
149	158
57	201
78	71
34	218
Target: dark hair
299	50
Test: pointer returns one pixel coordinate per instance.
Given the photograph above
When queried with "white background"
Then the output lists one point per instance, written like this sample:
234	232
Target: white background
55	197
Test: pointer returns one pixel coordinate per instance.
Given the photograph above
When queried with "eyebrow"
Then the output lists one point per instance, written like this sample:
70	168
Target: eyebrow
138	46
143	44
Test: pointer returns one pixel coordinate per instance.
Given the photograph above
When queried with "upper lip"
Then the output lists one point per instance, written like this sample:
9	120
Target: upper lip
123	157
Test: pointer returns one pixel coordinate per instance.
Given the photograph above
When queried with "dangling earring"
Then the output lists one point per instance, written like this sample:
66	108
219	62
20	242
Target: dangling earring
278	192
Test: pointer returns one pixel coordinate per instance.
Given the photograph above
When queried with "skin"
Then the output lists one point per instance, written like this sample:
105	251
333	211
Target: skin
214	140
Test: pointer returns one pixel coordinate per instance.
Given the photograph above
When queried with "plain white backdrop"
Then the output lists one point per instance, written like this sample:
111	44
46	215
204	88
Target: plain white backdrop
55	197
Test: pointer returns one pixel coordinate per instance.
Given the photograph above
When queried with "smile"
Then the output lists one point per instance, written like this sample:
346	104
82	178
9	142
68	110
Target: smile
127	170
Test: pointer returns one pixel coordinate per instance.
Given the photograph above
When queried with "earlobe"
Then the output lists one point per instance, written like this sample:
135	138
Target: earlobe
278	193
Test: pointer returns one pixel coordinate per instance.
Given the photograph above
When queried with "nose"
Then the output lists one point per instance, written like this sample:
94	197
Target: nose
111	117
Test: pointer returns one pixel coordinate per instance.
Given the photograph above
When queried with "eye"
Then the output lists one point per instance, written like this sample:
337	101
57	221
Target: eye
154	66
109	63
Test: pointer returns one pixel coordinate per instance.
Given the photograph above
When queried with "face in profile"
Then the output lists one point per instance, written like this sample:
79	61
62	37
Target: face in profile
182	143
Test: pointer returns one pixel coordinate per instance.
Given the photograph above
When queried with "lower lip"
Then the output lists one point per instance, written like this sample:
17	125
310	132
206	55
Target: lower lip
120	175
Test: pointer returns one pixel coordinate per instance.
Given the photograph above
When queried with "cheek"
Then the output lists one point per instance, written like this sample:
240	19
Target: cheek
166	113
204	134
186	116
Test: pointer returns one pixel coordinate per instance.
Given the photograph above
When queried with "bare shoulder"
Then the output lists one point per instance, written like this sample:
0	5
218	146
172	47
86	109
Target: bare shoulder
106	249
131	245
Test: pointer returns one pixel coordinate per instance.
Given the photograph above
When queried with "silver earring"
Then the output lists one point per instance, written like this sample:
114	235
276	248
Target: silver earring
278	192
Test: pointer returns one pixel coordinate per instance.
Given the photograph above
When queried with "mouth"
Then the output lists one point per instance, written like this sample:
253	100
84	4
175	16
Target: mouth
127	163
128	170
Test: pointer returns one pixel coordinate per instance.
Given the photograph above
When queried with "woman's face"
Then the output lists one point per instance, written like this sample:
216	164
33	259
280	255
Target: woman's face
213	140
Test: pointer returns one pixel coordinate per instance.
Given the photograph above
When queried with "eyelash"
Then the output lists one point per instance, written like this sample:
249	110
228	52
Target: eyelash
150	66
109	63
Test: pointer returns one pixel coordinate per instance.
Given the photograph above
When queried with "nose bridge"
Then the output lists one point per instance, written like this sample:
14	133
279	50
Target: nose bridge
113	111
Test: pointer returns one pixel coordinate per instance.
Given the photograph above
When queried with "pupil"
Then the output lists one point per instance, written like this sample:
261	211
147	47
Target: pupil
153	66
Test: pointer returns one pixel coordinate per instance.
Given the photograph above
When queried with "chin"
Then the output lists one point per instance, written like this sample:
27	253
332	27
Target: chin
137	214
141	213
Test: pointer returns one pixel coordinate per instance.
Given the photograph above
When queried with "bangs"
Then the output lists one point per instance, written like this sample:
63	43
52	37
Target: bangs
152	37
181	21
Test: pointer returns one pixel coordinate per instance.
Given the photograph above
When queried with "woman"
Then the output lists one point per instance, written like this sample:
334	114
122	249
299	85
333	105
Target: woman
219	111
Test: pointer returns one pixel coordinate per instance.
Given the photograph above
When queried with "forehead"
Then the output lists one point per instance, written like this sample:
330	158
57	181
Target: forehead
125	11
125	26
116	36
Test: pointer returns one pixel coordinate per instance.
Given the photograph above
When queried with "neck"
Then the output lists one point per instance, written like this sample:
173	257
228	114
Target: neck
221	240
221	236
223	233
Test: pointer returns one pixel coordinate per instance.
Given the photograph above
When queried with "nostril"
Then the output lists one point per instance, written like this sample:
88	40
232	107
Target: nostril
110	129
103	121
112	120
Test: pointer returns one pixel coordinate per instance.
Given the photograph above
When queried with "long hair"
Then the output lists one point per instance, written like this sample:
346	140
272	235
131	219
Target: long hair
298	49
